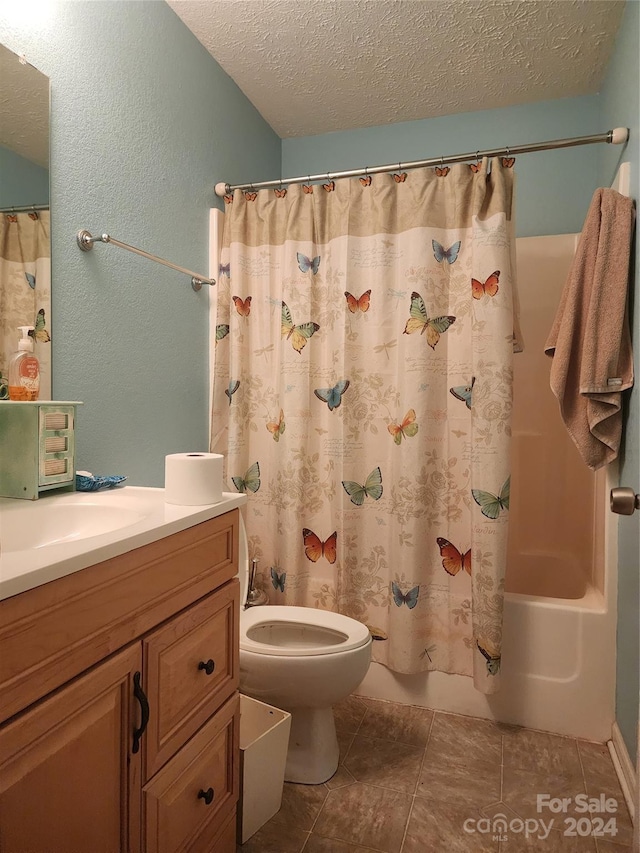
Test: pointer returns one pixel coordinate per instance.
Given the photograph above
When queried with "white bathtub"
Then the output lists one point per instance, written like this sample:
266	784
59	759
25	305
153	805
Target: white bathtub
558	671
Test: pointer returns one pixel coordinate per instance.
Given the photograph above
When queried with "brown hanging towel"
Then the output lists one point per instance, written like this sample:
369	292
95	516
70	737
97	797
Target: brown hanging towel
590	340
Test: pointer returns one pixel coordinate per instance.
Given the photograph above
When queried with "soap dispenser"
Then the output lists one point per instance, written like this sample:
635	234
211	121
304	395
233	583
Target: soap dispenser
24	369
255	596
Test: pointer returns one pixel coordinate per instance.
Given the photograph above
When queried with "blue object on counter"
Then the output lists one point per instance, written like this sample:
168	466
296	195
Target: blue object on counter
86	482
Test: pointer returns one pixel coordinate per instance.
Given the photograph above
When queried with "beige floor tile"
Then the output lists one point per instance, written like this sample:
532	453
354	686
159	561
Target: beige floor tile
464	740
384	763
596	758
599	772
535	751
601	778
348	714
301	805
520	790
340	778
499	809
345	739
440	828
367	806
449	782
391	721
624	834
365	816
317	844
611	847
276	838
553	842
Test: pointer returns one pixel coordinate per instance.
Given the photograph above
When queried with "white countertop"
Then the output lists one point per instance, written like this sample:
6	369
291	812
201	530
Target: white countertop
53	530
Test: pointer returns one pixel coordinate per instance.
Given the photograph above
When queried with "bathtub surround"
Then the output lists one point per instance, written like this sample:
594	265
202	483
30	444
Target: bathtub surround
356	321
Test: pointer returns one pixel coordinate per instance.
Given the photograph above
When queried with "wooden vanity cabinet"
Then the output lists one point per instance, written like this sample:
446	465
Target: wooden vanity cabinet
159	629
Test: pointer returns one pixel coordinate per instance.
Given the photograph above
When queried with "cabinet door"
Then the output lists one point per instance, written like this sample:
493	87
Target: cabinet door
191	668
68	779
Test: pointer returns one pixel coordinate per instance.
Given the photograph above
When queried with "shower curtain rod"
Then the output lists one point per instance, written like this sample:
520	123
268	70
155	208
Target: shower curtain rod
616	136
85	241
24	208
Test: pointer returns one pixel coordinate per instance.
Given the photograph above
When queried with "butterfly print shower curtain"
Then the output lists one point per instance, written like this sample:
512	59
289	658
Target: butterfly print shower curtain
369	423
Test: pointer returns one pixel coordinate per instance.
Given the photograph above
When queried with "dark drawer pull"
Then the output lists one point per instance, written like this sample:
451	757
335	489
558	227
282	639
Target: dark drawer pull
207	796
138	692
208	667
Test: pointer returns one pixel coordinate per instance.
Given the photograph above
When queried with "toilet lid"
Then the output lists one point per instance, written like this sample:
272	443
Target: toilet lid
297	631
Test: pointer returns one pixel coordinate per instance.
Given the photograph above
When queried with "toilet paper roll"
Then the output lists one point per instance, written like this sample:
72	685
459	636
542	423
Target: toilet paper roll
193	479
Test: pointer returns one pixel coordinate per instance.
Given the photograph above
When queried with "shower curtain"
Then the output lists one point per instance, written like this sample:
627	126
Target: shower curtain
25	291
362	400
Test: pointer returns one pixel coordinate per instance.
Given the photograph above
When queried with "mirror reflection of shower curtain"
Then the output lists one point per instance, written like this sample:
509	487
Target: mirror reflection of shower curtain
362	400
25	289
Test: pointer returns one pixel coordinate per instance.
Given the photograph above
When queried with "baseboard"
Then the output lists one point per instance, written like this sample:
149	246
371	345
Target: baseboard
624	769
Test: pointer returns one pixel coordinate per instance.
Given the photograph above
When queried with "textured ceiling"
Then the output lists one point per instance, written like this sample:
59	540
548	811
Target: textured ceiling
24	109
314	66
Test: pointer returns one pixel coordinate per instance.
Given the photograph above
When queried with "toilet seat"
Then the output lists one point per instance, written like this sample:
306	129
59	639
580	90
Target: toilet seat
278	629
299	631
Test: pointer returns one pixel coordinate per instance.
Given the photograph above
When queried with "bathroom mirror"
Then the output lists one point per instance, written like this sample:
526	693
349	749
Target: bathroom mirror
25	253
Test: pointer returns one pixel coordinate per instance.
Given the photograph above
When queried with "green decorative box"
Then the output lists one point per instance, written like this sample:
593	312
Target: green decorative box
37	448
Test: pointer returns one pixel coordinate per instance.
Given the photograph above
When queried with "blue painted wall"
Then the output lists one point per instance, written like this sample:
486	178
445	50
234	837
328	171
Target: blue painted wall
23	182
144	123
554	188
621	105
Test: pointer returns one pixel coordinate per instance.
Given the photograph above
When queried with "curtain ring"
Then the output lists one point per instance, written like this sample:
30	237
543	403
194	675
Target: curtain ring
365	171
441	162
508	152
399	167
477	157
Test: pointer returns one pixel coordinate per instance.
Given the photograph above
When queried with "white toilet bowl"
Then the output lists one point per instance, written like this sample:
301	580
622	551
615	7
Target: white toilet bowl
302	660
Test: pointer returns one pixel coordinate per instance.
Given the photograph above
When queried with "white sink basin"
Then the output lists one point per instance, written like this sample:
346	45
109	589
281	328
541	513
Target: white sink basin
43	540
54	524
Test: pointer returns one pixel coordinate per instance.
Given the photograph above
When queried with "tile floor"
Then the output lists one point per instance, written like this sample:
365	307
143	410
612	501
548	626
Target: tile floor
409	778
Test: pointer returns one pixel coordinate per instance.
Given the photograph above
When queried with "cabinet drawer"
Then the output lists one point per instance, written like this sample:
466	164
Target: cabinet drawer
191	668
177	815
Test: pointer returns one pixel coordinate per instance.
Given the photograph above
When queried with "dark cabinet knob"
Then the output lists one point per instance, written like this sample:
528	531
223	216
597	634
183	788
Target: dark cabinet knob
208	667
207	796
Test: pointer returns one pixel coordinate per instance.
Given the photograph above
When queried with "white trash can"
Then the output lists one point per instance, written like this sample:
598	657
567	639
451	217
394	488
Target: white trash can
264	741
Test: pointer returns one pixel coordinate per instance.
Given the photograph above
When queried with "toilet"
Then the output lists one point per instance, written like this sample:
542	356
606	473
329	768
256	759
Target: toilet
301	660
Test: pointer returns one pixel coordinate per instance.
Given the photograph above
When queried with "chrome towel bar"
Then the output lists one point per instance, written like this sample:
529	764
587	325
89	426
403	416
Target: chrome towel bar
86	240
